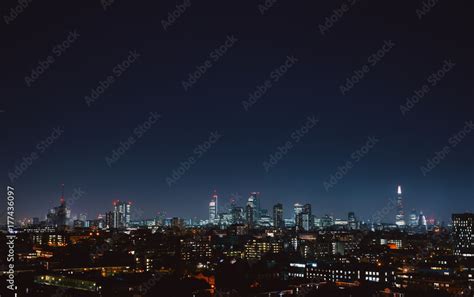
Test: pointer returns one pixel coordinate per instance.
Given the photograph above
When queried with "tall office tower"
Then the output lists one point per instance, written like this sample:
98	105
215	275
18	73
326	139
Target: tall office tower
413	219
306	218
278	221
249	214
83	217
400	217
463	236
62	212
237	215
297	210
58	216
213	217
121	214
232	203
160	217
307	208
422	226
109	219
255	197
351	220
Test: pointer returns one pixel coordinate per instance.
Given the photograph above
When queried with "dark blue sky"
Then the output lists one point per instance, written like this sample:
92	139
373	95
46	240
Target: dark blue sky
234	164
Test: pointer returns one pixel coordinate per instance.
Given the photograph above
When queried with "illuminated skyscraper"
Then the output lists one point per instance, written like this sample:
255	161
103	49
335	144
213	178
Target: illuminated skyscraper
83	217
351	220
121	214
303	216
249	214
213	217
297	209
422	226
58	216
413	219
463	235
110	219
254	196
278	221
400	217
237	215
306	218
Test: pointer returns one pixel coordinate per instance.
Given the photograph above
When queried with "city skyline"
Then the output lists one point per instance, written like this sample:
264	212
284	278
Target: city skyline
391	210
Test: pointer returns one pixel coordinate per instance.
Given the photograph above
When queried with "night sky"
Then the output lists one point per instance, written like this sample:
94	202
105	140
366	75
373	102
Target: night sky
156	87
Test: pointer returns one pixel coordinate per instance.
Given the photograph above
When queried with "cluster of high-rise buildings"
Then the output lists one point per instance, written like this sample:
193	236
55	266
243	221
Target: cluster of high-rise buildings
415	221
253	215
249	213
60	217
119	217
